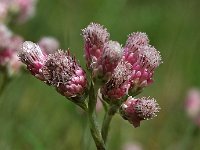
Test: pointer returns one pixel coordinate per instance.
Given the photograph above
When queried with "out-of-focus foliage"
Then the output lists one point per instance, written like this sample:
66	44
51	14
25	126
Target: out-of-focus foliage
35	117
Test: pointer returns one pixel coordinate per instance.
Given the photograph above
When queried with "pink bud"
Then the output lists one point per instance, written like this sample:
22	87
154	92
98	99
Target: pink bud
112	54
118	85
135	41
63	72
95	36
136	110
33	57
48	44
144	59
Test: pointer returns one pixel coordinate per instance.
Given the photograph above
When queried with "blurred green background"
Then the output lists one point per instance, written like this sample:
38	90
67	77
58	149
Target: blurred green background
34	116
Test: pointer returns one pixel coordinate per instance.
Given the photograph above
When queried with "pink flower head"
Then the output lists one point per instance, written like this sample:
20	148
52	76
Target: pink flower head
33	57
118	85
49	44
112	54
134	42
192	105
63	72
144	59
136	110
95	36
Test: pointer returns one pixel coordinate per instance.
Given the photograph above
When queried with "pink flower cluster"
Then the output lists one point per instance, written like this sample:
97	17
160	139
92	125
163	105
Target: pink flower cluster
125	70
128	69
102	55
58	69
22	10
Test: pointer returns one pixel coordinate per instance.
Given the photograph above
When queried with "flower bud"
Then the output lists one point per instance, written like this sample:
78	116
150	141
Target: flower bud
133	44
95	36
63	72
148	59
136	110
118	85
33	57
48	44
112	54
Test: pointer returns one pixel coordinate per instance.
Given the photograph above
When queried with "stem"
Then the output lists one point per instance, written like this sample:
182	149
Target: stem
107	119
94	128
96	134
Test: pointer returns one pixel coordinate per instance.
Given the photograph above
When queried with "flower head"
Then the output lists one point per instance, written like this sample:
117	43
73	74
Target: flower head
31	55
118	85
112	54
63	72
136	110
135	40
95	36
144	59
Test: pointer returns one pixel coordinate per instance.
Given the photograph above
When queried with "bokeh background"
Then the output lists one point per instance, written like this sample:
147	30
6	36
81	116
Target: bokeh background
34	116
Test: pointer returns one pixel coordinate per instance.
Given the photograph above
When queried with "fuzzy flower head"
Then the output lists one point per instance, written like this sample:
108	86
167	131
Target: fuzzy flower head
144	59
112	54
136	110
32	55
135	40
95	36
63	72
118	85
49	44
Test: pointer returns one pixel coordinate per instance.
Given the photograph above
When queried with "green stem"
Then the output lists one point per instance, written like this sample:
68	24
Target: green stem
94	128
107	119
96	134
